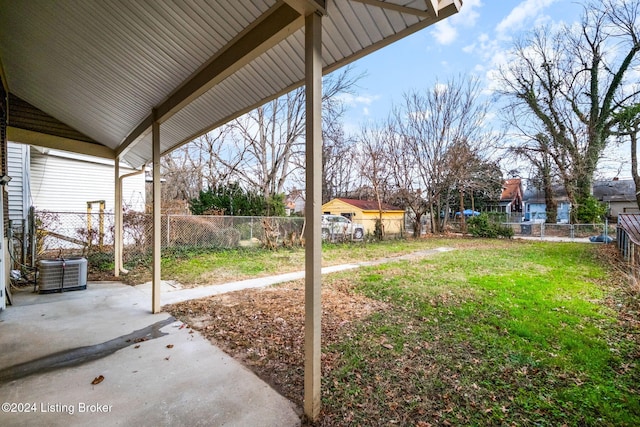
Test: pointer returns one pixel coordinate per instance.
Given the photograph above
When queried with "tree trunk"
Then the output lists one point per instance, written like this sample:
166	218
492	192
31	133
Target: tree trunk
463	223
634	165
552	208
417	226
550	202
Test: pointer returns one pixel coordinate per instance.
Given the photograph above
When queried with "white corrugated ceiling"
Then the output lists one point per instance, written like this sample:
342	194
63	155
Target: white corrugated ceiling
101	67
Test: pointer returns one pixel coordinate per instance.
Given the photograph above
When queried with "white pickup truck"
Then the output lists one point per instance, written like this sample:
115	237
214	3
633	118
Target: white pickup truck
337	227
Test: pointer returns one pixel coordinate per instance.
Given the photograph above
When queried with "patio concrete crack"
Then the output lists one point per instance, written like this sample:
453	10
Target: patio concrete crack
80	355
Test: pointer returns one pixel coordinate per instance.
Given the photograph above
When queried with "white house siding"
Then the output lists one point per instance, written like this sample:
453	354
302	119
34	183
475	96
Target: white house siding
18	187
63	182
617	208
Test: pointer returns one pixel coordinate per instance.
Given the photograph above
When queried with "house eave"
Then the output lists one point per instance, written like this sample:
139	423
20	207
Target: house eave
39	139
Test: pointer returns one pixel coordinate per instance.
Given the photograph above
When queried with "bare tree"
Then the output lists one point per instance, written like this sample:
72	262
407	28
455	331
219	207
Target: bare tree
429	124
406	191
203	163
271	137
374	166
569	83
469	172
546	174
263	149
629	126
338	157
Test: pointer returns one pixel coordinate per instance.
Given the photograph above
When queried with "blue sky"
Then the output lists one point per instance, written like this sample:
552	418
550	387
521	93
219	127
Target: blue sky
473	41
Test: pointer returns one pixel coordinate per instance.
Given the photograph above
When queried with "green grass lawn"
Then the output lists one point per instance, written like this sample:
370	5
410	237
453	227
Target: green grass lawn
197	267
516	335
496	332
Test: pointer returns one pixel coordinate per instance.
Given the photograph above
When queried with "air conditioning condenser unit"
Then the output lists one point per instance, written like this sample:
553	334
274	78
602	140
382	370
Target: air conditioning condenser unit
62	274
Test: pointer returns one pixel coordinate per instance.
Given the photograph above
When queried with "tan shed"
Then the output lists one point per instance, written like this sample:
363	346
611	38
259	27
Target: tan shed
366	212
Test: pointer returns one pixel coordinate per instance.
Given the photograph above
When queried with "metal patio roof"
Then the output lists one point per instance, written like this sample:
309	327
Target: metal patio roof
88	76
631	224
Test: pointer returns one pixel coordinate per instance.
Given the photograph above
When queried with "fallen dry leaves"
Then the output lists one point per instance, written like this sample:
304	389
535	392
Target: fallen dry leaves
264	328
97	380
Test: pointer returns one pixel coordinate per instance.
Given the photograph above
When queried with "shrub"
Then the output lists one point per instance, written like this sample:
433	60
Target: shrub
590	210
481	226
379	229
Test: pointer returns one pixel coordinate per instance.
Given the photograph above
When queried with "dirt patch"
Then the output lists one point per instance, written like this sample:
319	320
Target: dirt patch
264	328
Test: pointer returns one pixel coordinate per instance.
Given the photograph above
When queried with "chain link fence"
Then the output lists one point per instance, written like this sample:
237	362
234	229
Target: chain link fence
81	234
577	232
62	234
541	230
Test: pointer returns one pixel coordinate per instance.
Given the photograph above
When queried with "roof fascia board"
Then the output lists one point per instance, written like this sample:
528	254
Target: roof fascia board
29	137
274	26
432	7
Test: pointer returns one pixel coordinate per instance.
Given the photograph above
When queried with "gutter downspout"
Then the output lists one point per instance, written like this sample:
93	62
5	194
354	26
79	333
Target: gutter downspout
118	244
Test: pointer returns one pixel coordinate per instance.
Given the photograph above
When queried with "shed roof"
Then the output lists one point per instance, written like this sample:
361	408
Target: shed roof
101	71
370	205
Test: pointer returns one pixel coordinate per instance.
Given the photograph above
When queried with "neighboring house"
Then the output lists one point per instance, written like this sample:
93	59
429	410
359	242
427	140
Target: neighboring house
618	194
366	212
511	198
294	203
58	181
535	206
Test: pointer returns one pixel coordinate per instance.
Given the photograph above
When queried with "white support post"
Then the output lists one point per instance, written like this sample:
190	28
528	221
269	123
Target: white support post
155	284
313	239
117	219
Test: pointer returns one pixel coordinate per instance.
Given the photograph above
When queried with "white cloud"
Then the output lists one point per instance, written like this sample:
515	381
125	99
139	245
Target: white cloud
480	45
468	15
446	31
527	11
440	88
355	100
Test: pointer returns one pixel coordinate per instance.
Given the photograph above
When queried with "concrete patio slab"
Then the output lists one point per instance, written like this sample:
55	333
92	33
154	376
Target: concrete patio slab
157	371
